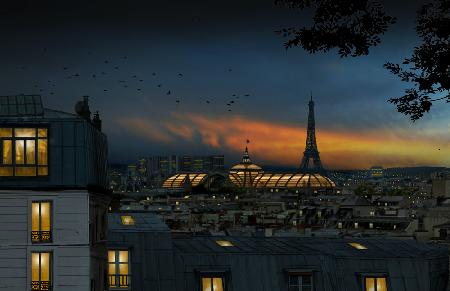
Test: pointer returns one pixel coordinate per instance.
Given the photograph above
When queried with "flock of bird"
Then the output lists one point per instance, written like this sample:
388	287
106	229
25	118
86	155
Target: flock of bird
134	82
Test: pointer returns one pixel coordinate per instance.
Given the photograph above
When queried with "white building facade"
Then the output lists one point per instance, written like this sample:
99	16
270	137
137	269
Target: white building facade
52	199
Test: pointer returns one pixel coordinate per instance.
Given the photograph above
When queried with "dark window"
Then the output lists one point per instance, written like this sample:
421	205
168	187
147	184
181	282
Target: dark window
300	282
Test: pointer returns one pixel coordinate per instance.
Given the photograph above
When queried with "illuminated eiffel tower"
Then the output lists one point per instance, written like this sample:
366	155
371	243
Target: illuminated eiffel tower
311	160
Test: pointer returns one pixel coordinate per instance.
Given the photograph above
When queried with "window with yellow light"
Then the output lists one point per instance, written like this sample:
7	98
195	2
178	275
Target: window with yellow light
375	284
212	283
41	271
41	222
24	152
127	220
118	269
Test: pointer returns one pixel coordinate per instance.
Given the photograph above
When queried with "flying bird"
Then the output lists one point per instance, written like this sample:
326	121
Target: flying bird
154	74
159	85
207	102
247	95
180	75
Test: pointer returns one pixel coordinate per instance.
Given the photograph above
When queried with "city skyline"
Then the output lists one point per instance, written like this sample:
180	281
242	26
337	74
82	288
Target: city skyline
203	59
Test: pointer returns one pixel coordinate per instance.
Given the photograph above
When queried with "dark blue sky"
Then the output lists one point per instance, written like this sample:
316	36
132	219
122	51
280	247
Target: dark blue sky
203	40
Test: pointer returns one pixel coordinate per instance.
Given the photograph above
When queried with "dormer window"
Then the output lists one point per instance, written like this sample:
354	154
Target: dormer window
24	152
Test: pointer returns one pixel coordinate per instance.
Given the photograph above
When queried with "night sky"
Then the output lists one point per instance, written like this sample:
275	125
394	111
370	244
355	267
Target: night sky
221	48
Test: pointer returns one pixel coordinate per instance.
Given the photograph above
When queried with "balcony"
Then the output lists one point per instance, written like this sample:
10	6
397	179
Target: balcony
41	237
119	282
41	285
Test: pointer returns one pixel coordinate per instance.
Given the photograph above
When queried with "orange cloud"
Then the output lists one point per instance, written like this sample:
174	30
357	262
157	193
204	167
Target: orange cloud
278	143
145	128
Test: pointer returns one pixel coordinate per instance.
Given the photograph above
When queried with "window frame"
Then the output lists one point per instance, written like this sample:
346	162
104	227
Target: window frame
375	276
223	274
50	271
117	264
36	139
40	241
299	273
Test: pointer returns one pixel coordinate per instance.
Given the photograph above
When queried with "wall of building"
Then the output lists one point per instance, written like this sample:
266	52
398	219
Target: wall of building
77	154
71	245
151	259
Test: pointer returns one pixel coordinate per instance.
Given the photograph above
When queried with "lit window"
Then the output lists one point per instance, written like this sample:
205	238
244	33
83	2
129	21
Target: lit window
118	269
375	284
358	246
300	282
212	283
24	152
224	243
41	271
127	220
41	213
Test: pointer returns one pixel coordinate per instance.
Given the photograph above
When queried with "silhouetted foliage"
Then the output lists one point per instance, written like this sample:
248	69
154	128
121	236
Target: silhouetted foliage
353	26
428	69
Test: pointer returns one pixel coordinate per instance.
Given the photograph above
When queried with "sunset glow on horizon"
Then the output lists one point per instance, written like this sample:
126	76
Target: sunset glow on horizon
281	144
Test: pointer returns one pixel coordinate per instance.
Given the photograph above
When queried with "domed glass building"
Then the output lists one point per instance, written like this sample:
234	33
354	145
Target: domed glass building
248	175
243	175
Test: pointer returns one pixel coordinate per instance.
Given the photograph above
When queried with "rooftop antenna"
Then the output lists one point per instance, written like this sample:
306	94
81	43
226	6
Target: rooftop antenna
311	95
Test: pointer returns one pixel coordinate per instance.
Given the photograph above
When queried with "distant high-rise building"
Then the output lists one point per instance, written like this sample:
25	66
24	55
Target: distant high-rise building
376	172
210	163
441	184
160	168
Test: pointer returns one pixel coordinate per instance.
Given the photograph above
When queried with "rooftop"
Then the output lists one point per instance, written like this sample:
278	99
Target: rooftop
375	248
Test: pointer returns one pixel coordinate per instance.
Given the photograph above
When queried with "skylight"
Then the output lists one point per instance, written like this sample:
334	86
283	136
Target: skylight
358	246
224	243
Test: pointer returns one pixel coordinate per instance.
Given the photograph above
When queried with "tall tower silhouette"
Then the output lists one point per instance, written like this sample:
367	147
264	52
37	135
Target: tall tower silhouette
311	160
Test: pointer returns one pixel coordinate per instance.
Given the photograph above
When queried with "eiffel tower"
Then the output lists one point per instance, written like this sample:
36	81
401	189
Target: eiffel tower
311	160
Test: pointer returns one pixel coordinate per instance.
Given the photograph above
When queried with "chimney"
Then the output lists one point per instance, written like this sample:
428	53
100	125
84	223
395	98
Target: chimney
82	108
96	121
